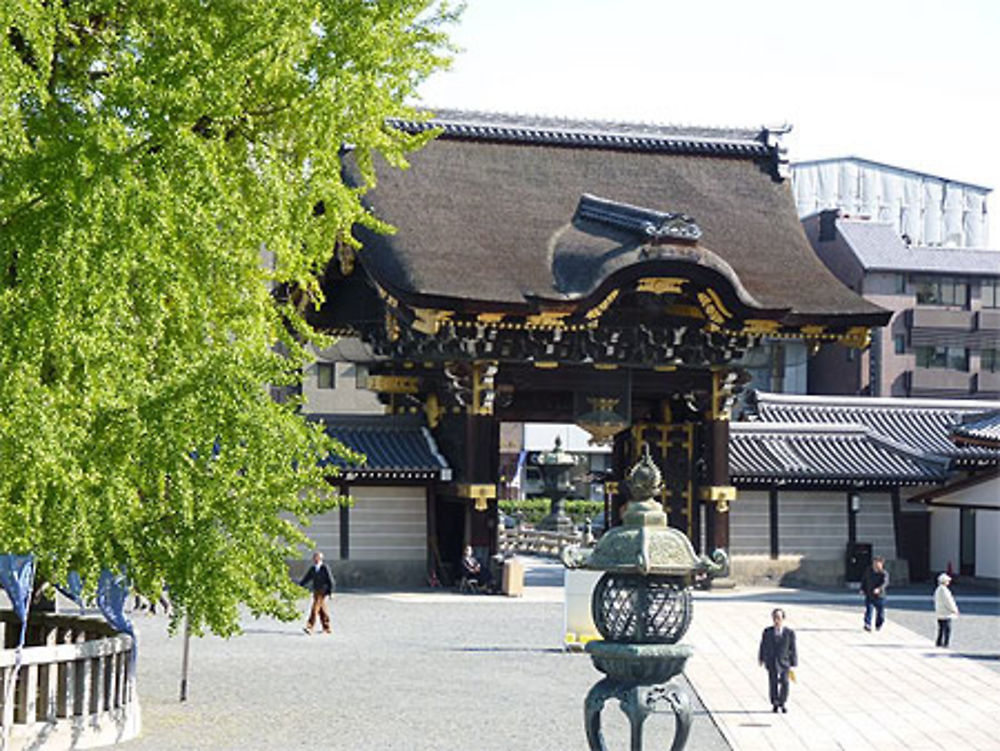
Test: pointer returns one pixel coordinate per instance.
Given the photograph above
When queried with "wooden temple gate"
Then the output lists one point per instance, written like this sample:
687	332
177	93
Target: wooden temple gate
607	276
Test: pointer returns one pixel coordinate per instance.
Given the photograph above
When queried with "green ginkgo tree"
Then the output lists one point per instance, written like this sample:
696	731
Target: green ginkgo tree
170	192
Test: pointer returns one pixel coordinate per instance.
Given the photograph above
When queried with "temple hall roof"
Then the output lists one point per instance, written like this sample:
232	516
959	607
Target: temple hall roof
811	454
395	447
490	212
923	425
979	430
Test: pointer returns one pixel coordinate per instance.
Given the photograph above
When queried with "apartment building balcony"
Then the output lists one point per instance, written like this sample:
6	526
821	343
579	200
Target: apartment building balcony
937	327
940	382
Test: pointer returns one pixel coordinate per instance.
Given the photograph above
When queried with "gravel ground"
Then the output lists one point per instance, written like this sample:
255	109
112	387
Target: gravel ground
401	671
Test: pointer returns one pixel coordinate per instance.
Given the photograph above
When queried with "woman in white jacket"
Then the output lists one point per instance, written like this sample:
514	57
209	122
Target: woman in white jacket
945	609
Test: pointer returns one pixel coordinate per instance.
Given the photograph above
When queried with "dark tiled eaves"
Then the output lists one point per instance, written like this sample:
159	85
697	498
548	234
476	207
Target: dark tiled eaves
394	448
825	454
979	430
924	425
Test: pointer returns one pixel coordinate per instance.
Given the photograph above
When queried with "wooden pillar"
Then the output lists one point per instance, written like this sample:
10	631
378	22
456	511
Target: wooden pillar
432	540
897	522
345	528
852	517
772	518
717	509
718	493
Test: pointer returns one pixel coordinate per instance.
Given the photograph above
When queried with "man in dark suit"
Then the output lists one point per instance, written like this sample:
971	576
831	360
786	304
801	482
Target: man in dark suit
777	653
322	587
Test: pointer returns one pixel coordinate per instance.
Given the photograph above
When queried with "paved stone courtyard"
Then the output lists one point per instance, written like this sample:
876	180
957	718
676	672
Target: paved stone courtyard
427	670
437	670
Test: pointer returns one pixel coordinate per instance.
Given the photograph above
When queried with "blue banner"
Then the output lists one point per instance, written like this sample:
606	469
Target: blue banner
73	589
17	576
112	592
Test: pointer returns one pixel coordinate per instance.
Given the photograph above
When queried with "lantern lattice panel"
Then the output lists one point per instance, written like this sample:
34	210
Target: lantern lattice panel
641	609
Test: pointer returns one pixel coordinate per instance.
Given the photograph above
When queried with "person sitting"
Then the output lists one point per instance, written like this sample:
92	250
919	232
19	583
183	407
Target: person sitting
474	571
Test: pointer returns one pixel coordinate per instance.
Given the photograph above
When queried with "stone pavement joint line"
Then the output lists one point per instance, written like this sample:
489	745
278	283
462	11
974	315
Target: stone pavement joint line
884	690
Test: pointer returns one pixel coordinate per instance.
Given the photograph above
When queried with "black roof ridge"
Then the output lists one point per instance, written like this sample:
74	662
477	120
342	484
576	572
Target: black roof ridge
496	126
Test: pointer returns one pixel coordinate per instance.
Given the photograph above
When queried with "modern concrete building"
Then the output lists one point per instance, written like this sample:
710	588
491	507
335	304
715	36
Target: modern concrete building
943	338
927	210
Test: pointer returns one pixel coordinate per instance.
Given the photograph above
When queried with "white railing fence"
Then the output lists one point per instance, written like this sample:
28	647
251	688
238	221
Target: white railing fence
536	542
75	687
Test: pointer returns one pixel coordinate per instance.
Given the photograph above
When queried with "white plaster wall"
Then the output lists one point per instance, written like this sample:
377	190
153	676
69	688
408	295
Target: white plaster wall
944	538
988	544
945	527
812	523
875	524
325	534
388	523
749	532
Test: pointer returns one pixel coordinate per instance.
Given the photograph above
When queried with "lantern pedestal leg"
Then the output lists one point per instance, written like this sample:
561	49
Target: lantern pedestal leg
637	701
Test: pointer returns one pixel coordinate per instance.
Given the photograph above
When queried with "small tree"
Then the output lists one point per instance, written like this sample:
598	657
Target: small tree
161	166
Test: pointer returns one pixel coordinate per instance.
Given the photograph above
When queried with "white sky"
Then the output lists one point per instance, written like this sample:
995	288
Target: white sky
911	83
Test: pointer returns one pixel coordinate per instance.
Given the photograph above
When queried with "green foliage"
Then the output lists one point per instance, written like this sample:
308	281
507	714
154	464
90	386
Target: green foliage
161	165
531	510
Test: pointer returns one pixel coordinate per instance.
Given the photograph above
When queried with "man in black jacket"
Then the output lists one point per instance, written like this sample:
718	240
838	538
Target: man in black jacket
777	653
322	587
874	582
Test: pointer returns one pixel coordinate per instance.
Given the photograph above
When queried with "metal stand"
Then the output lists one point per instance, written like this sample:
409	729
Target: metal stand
637	701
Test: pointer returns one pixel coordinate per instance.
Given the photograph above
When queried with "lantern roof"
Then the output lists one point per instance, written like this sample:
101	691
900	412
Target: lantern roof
644	544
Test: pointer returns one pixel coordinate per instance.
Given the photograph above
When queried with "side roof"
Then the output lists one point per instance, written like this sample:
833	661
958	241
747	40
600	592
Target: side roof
489	212
979	430
925	425
830	454
394	447
878	247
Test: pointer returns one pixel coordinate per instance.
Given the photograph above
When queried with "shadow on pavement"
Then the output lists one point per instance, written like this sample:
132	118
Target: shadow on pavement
966	655
809	628
515	650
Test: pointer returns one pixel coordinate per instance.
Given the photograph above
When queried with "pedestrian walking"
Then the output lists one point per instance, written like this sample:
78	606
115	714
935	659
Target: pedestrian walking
322	582
874	584
778	654
945	609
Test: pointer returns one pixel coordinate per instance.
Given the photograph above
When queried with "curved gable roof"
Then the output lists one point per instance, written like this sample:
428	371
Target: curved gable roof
486	213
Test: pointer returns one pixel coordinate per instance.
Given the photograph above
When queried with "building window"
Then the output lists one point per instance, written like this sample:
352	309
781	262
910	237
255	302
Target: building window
944	358
899	344
988	361
900	283
326	375
990	293
942	290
